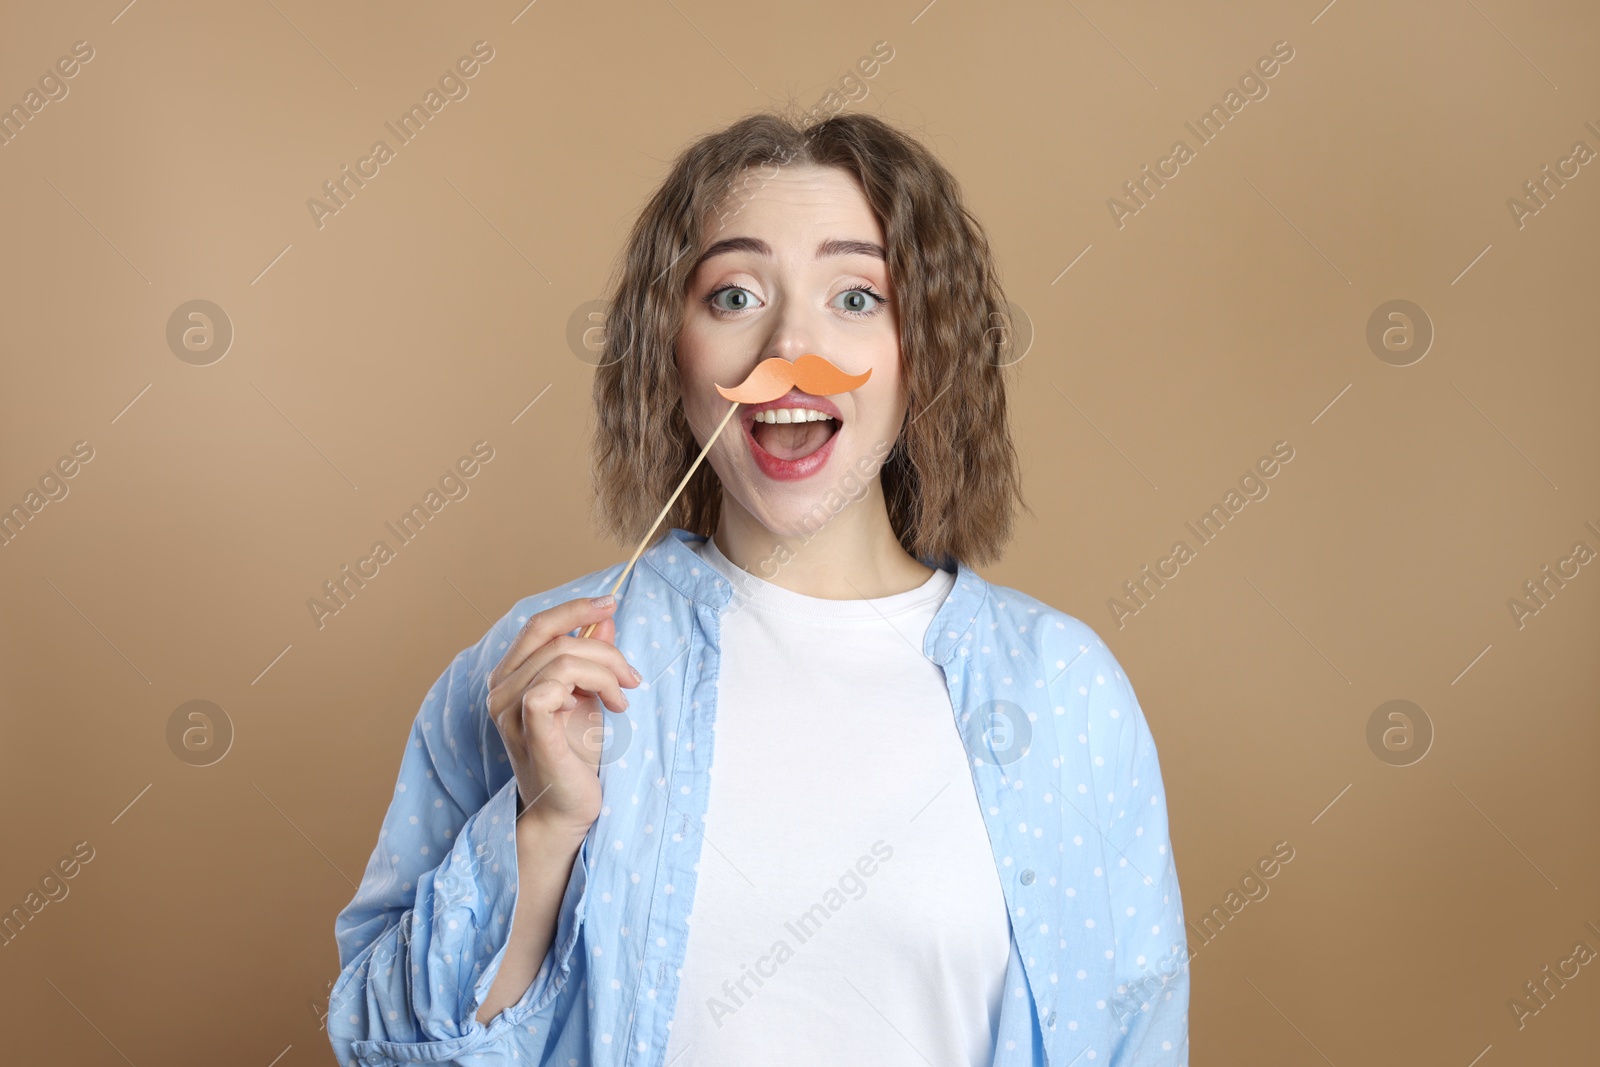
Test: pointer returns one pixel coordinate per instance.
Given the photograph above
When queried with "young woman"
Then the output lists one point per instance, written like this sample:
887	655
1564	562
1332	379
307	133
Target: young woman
853	803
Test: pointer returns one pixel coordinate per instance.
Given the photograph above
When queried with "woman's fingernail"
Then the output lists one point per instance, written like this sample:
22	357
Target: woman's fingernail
603	601
636	675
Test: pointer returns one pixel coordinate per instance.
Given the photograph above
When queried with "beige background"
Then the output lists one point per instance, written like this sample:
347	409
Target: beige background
1229	314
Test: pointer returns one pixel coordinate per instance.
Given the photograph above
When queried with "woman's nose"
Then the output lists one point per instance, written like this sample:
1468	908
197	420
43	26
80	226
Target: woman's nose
794	333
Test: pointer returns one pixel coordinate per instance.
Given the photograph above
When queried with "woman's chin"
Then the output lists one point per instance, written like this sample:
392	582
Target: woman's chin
799	515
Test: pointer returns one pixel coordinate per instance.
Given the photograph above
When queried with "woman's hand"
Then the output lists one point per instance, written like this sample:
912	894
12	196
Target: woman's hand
546	697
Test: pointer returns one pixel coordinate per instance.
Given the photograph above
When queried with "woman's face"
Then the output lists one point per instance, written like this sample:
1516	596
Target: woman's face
794	267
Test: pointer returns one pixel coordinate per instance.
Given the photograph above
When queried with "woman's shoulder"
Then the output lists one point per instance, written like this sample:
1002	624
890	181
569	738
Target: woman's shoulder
1023	614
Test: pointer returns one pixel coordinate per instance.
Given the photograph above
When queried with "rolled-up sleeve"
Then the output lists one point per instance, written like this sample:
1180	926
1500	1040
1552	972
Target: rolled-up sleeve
423	938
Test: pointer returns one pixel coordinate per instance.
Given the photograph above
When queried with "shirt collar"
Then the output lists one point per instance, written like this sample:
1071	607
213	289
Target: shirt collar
674	559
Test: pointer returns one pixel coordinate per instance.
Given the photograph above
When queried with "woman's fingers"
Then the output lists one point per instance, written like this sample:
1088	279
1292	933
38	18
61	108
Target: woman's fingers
550	623
537	718
579	672
606	631
509	689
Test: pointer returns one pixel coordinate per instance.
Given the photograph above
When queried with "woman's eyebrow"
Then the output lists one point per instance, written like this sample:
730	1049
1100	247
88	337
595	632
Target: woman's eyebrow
839	247
834	246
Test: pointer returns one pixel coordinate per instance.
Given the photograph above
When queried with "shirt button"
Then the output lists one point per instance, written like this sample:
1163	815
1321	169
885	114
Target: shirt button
1027	876
1050	1020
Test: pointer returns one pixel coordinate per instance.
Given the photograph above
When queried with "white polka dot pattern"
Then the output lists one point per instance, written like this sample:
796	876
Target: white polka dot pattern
1076	816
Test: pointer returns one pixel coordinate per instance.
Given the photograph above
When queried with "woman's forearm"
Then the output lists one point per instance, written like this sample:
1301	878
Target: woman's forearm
545	855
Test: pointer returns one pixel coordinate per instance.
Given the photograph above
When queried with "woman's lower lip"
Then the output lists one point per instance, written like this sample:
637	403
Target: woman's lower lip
789	470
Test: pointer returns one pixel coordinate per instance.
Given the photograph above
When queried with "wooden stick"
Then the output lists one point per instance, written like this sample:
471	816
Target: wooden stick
670	501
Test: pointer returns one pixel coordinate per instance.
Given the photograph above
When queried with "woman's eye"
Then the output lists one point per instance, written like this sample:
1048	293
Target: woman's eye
857	301
732	298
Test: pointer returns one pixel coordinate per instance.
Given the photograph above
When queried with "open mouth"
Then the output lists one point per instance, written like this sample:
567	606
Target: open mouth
792	433
792	437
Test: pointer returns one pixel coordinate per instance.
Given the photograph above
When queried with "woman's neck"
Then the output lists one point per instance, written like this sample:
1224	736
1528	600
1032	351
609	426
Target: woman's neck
855	555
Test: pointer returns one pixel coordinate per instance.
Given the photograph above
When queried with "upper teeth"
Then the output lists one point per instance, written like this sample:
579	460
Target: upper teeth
791	415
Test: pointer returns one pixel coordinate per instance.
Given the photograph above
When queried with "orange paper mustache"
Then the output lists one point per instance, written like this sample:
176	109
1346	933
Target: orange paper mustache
773	377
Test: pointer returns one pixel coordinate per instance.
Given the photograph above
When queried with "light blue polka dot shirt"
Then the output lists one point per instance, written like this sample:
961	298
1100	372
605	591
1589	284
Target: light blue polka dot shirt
1063	765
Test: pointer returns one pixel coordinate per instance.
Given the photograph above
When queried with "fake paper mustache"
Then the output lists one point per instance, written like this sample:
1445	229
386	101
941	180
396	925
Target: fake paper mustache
774	377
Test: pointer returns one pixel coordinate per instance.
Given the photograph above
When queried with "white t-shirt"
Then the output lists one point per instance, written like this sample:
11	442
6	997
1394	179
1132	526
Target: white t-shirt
847	908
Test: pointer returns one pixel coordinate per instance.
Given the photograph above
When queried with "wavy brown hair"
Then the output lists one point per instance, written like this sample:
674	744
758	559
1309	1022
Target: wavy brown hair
951	481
